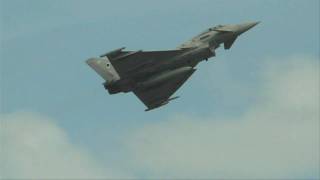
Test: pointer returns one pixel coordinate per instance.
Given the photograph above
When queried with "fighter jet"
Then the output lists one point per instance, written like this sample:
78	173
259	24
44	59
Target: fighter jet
154	76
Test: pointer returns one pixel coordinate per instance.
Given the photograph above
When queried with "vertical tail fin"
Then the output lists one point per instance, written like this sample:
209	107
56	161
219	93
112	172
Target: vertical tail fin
104	68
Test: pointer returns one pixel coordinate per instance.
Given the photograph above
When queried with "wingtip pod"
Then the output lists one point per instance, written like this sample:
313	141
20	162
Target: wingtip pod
162	104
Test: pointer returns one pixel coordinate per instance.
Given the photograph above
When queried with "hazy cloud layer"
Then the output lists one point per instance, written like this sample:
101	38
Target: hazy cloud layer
32	146
277	137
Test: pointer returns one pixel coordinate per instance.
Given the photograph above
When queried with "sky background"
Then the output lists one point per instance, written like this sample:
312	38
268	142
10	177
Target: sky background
249	112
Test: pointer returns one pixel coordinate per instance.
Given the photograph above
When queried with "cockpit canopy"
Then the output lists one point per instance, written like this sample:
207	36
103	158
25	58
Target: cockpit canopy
211	29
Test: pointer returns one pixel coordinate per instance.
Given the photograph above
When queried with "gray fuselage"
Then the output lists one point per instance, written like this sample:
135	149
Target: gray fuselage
199	48
154	76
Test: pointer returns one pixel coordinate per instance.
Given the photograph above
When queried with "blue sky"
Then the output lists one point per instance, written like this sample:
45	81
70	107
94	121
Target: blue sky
44	45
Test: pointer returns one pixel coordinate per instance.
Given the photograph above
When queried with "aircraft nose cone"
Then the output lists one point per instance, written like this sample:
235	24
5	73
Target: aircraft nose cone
246	26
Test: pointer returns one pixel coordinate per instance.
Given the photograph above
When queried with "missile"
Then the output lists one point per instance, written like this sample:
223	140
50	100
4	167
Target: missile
162	104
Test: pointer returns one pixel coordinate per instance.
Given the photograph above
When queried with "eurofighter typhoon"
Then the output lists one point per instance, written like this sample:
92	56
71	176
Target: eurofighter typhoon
154	76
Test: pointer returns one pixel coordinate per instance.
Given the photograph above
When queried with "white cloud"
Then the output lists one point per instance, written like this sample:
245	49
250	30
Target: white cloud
277	137
33	147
